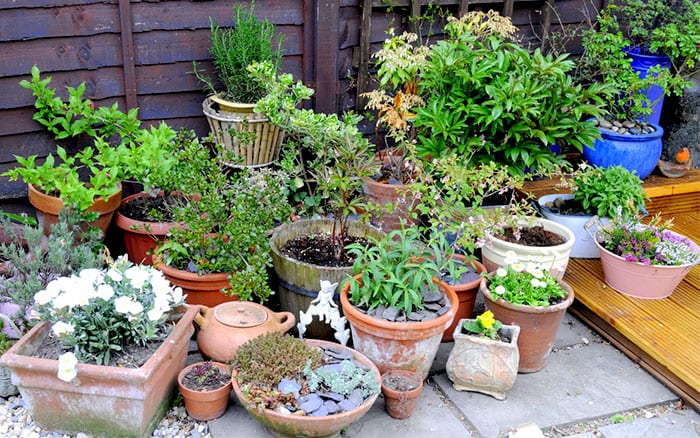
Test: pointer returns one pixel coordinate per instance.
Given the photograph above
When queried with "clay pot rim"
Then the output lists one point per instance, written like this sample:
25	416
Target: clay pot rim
127	224
406	374
187	391
557	229
54	204
442	320
483	287
184	275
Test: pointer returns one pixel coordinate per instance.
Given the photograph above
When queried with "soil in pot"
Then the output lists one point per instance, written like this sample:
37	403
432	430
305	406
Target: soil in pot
532	236
319	249
567	207
152	208
202	379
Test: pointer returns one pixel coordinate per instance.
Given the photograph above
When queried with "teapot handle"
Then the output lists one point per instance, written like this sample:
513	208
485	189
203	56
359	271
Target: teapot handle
200	318
285	319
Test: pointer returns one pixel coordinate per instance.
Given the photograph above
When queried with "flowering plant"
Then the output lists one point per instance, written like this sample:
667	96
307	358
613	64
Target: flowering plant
525	284
485	325
651	244
100	311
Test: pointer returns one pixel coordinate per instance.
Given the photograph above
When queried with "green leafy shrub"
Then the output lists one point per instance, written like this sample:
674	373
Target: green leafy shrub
603	190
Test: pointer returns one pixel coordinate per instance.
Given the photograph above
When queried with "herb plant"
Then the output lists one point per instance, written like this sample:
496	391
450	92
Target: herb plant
525	284
234	49
603	190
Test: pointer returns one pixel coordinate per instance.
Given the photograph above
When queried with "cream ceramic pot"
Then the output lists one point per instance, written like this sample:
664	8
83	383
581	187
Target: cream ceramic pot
224	328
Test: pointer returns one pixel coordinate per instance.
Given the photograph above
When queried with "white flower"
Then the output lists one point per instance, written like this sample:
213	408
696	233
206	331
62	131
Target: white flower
176	295
518	267
160	285
535	282
124	305
61	301
530	267
67	369
155	314
43	297
114	274
105	292
138	276
537	273
500	289
501	272
510	258
61	328
92	275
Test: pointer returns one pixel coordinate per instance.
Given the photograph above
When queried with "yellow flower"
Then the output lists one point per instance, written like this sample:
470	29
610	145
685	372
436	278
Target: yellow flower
486	319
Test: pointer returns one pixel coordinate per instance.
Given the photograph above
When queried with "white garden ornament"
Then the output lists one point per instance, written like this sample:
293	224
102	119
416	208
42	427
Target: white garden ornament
327	311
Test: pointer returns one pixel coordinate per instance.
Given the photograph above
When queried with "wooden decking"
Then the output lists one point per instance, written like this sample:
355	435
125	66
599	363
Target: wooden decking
663	336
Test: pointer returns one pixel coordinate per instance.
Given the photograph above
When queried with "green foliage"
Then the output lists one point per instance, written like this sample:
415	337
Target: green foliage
234	49
488	97
269	358
397	268
651	27
36	260
485	325
526	285
5	341
343	381
602	191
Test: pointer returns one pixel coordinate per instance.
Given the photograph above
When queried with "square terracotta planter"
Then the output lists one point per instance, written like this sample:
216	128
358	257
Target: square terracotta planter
101	400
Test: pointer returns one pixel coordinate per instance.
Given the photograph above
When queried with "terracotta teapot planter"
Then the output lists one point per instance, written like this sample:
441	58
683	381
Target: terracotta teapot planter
224	328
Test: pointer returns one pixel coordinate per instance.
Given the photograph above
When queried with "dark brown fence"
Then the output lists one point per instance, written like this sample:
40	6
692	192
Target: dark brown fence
140	53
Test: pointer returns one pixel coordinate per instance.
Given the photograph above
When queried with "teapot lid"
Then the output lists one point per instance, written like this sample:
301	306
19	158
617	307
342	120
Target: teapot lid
240	314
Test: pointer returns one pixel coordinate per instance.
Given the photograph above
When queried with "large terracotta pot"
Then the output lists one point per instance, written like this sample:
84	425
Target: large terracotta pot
141	237
466	293
249	136
484	365
47	208
398	345
286	425
639	280
493	254
226	327
205	405
298	283
101	400
200	289
401	396
538	325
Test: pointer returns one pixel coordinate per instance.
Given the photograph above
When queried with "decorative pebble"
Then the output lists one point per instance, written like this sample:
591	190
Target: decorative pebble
338	353
288	386
432	297
331	396
331	406
415	316
390	313
310	403
347	405
442	311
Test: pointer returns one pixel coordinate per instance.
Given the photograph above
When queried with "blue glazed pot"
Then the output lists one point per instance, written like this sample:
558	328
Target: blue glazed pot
641	63
638	153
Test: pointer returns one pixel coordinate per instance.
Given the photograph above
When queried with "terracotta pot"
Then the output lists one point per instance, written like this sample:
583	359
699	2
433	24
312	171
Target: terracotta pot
484	365
389	218
398	345
493	254
466	293
538	325
205	405
249	136
286	425
639	280
200	289
101	400
400	403
298	283
141	237
226	327
47	208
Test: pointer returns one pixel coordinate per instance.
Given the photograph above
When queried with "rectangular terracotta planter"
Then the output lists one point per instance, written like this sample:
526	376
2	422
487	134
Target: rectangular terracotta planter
101	400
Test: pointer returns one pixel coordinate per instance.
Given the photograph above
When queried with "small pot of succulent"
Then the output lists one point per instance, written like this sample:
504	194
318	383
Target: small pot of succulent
529	296
645	50
396	300
249	138
205	387
224	239
634	253
484	337
312	387
595	191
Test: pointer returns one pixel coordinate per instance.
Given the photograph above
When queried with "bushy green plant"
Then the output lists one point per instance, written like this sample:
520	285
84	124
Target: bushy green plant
273	356
398	268
233	49
97	312
37	260
525	284
605	191
488	97
648	27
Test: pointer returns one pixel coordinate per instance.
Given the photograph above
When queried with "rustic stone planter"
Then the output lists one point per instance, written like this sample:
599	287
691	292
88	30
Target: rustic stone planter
484	365
101	400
